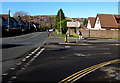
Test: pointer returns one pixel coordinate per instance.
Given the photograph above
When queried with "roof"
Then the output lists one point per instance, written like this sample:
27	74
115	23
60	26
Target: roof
117	16
2	18
24	20
4	15
107	20
13	19
92	21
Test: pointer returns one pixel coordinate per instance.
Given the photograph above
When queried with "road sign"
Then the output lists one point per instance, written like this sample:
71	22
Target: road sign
73	24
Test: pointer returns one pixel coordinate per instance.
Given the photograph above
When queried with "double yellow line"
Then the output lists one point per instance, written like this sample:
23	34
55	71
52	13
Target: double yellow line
75	44
72	78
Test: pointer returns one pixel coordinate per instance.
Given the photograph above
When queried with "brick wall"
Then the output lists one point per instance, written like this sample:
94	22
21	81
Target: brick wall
98	33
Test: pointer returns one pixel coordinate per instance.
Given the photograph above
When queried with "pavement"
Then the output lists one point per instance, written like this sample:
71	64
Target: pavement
57	61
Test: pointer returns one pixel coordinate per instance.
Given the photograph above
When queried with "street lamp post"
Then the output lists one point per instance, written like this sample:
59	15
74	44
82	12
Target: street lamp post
29	19
8	19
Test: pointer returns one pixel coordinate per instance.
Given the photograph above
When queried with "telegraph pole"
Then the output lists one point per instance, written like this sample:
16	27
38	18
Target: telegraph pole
60	24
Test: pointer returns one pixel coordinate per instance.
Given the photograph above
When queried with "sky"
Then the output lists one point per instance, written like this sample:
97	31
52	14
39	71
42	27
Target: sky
70	9
60	0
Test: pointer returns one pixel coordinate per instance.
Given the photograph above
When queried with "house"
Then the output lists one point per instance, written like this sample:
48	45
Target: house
3	21
21	24
107	22
26	26
91	23
7	20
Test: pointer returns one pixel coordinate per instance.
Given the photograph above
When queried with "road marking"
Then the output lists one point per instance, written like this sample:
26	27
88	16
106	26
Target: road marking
12	68
72	78
31	60
18	63
115	44
14	77
27	57
5	74
28	63
22	68
83	44
67	46
75	44
24	59
79	54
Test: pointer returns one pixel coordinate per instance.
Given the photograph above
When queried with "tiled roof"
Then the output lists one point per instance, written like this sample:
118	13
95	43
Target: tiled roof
117	16
24	20
92	21
107	20
4	15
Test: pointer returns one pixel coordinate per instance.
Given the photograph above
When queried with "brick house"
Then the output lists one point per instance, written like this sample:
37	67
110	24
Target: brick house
91	23
104	22
6	19
107	21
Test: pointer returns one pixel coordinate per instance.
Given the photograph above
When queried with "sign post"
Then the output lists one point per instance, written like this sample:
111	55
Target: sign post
75	24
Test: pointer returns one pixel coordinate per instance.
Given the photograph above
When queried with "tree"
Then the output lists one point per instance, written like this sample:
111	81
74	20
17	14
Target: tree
64	25
85	22
21	14
60	15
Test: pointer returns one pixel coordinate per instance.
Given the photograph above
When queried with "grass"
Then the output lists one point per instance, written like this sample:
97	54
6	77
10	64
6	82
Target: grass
62	35
116	39
73	36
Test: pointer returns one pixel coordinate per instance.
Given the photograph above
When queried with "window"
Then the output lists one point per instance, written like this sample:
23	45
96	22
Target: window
97	21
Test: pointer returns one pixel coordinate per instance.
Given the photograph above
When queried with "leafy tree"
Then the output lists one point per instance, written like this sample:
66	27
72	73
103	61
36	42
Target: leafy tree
64	25
60	15
85	22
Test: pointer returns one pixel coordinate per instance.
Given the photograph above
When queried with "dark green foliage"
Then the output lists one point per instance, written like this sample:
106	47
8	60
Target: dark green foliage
85	22
63	25
57	20
63	22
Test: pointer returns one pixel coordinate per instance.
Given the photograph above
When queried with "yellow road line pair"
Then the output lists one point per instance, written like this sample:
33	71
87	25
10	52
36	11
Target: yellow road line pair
74	44
72	78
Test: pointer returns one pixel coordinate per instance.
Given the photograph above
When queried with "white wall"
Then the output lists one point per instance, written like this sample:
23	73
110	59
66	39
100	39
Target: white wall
97	24
88	25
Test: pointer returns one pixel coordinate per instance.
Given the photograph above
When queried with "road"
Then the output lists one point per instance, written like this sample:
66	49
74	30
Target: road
13	48
58	61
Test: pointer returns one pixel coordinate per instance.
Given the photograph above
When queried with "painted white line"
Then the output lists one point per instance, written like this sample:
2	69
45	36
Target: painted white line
23	68
14	77
30	54
36	49
5	74
12	68
79	54
32	59
67	46
27	56
24	59
35	57
27	64
18	63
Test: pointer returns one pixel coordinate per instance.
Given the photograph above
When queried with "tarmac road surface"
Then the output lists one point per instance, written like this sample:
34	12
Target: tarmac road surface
54	62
